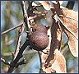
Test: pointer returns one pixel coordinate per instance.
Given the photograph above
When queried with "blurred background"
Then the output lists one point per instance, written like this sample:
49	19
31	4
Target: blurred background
11	15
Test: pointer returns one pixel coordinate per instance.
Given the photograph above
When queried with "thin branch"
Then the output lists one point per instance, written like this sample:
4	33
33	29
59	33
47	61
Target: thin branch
18	57
19	40
36	16
44	52
5	62
11	29
64	45
20	52
64	48
24	9
20	63
40	62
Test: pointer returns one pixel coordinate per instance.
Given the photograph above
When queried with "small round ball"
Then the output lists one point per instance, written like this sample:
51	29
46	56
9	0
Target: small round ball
38	40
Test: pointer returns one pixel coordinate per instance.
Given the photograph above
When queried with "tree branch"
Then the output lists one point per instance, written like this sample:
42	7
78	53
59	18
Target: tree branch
40	62
18	57
5	62
19	41
11	29
20	52
24	9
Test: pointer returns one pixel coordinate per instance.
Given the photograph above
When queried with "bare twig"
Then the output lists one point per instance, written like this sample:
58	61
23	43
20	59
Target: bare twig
19	41
64	48
40	62
24	9
44	52
11	29
18	57
5	62
64	45
20	63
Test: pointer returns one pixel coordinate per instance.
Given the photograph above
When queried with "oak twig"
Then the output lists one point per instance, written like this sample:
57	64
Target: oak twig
19	40
19	55
11	29
24	9
40	62
5	62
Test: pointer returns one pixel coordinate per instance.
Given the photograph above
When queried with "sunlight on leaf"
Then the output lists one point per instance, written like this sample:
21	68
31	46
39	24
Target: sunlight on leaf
71	23
73	45
45	4
59	64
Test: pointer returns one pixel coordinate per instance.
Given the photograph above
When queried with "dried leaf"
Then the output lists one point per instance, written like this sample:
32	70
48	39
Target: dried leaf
70	13
70	21
73	44
45	4
59	64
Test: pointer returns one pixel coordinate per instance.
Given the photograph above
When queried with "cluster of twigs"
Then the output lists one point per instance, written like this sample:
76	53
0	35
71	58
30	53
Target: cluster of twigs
18	54
19	49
